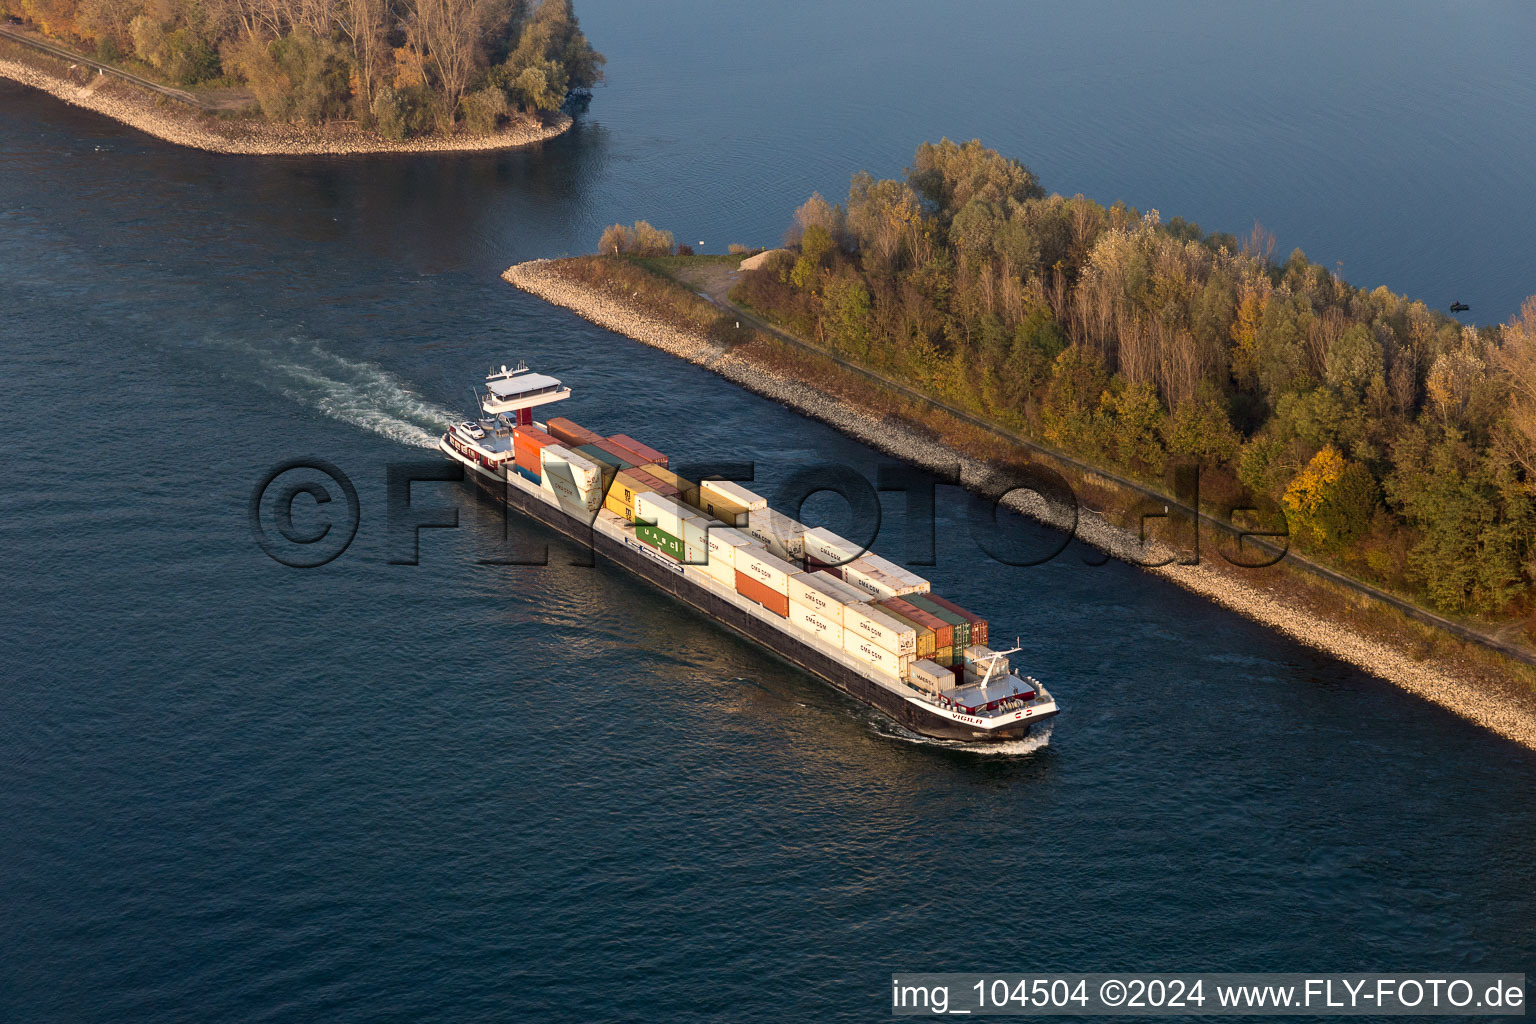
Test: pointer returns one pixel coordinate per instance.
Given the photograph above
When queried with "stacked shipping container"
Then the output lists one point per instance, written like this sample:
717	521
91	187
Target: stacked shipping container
860	603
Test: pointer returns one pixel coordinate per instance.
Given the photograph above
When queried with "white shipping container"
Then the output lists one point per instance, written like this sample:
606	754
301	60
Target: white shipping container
816	591
878	583
930	676
895	571
825	546
663	513
778	533
822	627
571	476
879	628
765	567
732	494
847	591
720	573
870	653
723	542
696	532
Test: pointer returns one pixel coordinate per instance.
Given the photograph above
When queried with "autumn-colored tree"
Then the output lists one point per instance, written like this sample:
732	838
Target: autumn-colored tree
1330	502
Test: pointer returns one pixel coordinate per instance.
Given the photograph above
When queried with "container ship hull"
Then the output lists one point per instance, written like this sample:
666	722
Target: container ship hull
916	715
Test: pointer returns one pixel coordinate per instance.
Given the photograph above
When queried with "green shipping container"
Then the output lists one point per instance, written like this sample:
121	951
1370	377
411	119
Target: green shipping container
661	540
962	625
607	458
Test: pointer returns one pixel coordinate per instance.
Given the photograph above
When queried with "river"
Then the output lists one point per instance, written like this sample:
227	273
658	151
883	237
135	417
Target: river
454	790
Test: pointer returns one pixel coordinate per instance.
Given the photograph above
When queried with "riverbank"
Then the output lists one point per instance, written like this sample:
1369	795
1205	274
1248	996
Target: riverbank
237	135
1478	684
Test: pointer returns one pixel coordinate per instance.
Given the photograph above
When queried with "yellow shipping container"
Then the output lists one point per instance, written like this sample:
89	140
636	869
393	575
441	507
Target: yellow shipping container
626	484
616	504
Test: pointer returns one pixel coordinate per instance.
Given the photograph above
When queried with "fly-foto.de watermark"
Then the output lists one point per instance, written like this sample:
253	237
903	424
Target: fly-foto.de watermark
306	512
1208	994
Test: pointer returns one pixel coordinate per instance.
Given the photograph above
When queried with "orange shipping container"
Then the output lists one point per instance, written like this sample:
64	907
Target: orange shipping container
571	433
769	598
531	437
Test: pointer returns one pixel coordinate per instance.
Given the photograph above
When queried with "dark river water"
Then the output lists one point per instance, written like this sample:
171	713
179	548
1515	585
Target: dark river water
460	791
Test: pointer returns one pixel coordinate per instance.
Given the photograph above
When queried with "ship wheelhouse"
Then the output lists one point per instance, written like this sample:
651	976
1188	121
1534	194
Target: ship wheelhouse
508	402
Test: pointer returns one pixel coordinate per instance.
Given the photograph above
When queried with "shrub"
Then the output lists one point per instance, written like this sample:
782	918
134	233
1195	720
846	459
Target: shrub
651	241
616	238
640	240
188	59
148	39
737	249
298	77
389	116
483	110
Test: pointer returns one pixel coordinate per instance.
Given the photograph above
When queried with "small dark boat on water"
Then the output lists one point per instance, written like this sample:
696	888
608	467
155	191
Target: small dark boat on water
1459	307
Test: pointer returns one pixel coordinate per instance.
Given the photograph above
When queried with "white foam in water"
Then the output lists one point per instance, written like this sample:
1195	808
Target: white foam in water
358	393
1038	739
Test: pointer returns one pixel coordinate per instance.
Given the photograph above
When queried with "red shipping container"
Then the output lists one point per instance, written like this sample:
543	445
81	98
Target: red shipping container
943	632
978	624
618	451
769	598
528	458
647	454
571	433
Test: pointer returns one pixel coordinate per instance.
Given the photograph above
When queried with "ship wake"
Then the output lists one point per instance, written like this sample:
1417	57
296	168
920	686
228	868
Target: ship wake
352	391
1038	739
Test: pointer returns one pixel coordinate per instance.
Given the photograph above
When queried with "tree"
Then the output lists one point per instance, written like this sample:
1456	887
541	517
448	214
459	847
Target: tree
1516	358
616	239
552	58
949	175
817	212
1329	504
641	239
364	23
884	217
449	33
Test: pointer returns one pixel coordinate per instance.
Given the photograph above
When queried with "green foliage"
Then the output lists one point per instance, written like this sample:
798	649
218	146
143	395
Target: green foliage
1329	504
448	59
401	113
1200	429
817	245
1475	522
299	77
1354	359
484	109
950	175
1132	424
1128	341
552	59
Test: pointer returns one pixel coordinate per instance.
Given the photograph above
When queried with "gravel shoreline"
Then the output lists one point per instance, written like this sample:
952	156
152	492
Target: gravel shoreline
1436	680
249	137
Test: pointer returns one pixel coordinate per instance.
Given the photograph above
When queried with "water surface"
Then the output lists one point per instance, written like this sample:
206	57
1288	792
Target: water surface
454	791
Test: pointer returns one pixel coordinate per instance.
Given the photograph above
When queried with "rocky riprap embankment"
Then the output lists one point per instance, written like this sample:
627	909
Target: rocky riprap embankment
1511	715
248	136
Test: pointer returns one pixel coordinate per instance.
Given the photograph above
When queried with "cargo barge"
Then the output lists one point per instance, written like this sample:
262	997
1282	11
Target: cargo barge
862	623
